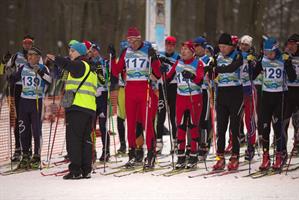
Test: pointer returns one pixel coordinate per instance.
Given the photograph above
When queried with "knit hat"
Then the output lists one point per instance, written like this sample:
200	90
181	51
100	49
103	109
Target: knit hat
210	49
95	46
35	50
80	48
270	44
87	44
246	39
72	42
170	40
189	44
200	41
133	32
225	39
294	38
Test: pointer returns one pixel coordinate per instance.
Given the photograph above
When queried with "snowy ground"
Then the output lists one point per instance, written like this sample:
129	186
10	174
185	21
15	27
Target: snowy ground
33	186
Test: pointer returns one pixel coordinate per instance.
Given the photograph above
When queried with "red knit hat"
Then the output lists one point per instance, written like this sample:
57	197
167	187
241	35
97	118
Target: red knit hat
133	32
87	44
170	40
190	45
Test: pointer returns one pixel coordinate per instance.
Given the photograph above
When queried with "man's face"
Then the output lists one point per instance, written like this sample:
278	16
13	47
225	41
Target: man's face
199	50
33	58
186	53
225	49
134	43
244	47
94	53
169	47
27	45
270	54
73	54
291	47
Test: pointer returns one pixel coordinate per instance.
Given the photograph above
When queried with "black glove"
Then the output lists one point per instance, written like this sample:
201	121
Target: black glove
6	57
164	69
188	75
165	60
152	53
111	50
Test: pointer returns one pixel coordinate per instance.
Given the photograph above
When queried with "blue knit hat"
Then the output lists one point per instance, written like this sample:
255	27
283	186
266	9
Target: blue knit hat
200	41
270	44
80	48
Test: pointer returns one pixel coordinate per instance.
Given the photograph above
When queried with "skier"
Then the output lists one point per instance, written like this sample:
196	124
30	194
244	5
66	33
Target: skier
205	125
136	60
14	64
79	111
35	79
167	58
246	69
292	107
188	72
229	100
100	65
274	97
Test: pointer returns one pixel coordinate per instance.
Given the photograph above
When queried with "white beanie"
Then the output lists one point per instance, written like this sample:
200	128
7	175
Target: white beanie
246	39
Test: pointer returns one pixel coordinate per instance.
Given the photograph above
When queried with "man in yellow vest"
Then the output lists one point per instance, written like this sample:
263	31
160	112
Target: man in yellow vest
81	112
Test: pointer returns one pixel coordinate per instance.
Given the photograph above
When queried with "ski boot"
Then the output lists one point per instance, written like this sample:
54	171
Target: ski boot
220	164
35	161
159	146
233	162
25	162
181	163
139	155
105	156
192	161
16	156
266	161
149	161
280	160
132	159
72	176
249	153
122	149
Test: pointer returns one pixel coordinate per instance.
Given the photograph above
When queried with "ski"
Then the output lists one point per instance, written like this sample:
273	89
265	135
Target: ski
140	171
16	171
226	173
207	173
123	169
54	173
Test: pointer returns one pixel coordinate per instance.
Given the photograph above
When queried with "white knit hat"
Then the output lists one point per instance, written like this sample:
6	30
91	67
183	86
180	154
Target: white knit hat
246	39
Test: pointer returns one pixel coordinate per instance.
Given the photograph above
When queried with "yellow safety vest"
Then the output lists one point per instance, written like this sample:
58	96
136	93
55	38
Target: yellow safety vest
85	96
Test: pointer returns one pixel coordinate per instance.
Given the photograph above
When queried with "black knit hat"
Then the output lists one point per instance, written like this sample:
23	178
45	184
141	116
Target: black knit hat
294	38
35	50
225	39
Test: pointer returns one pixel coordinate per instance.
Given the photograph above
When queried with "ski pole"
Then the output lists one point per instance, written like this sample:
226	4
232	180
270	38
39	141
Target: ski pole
9	123
164	91
51	123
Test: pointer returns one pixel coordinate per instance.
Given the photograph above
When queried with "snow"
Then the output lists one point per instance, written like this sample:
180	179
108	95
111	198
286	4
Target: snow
33	186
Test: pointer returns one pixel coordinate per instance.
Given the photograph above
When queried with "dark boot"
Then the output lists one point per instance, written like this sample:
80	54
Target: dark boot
72	176
25	162
35	161
149	162
139	155
16	156
132	159
104	157
192	161
181	163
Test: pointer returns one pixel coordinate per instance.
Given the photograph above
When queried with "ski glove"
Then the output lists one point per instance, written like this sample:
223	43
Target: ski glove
111	50
163	69
164	60
152	53
188	75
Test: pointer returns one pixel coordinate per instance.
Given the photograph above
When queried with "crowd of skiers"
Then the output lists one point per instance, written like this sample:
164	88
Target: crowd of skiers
231	84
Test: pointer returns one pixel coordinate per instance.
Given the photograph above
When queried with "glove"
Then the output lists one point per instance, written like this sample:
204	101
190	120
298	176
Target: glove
165	60
111	50
164	69
152	53
285	56
188	75
6	57
250	57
